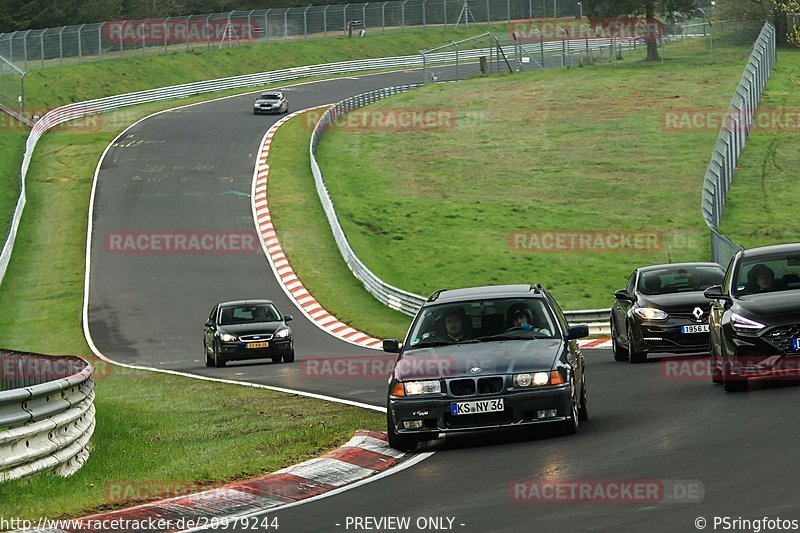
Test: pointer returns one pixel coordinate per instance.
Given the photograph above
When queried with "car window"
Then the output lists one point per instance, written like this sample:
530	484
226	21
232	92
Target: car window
243	314
213	313
671	280
774	273
631	283
480	320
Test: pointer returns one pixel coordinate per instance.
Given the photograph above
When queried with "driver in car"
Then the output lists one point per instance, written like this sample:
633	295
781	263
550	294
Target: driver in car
521	316
455	324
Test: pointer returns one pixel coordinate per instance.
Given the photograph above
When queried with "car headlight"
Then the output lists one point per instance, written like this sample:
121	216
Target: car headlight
282	334
650	313
414	388
538	379
744	324
227	337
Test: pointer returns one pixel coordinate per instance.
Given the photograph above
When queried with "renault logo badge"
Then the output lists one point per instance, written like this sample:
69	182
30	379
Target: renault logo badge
698	313
475	369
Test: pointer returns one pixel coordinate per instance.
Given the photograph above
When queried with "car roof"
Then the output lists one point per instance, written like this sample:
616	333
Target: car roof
244	302
271	93
679	265
769	250
489	291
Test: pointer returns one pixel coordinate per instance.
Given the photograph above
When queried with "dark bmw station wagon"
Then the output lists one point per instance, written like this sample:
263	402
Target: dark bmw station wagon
486	358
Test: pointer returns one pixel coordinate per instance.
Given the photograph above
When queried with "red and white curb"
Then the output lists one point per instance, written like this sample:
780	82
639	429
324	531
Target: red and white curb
595	343
286	276
366	454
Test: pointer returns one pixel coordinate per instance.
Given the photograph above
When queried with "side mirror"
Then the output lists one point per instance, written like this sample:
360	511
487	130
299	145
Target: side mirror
209	323
623	294
715	293
391	346
578	332
288	318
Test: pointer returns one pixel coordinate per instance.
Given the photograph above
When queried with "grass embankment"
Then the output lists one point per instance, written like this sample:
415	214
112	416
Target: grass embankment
306	236
577	150
762	203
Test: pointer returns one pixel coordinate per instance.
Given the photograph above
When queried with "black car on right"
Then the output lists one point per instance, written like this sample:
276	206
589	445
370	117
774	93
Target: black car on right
663	310
755	317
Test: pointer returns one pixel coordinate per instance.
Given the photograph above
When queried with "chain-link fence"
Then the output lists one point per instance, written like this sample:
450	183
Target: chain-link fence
125	38
732	137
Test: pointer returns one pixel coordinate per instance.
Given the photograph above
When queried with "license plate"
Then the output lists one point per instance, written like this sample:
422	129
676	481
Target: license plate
257	345
473	408
700	328
796	344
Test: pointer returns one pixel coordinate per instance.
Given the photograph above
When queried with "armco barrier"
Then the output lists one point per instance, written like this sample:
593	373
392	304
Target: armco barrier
732	137
389	295
46	413
81	109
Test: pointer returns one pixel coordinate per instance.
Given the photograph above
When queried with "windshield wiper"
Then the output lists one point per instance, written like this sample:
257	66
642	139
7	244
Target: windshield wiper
506	337
428	344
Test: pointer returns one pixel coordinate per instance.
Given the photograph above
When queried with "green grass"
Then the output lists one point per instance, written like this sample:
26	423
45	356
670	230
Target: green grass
12	147
580	149
307	241
207	434
762	204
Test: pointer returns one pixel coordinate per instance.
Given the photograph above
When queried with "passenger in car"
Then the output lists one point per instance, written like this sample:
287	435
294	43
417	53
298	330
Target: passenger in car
520	315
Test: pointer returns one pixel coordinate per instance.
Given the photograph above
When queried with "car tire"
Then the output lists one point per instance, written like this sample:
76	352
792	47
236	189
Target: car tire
730	384
209	360
403	443
583	407
219	362
634	357
572	426
620	353
276	360
716	373
289	357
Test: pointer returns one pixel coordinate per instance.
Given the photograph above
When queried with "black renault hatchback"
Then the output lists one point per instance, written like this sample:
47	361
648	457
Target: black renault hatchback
755	317
663	310
485	358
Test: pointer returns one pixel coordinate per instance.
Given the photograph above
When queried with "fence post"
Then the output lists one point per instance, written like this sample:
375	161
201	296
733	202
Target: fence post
188	29
383	17
166	21
488	15
25	48
403	15
286	23
305	23
444	10
344	19
508	10
144	32
99	39
41	45
208	32
250	28
80	48
266	25
423	14
530	9
61	46
364	15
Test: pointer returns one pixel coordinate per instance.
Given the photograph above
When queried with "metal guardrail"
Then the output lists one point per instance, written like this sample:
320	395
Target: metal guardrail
47	413
391	296
731	140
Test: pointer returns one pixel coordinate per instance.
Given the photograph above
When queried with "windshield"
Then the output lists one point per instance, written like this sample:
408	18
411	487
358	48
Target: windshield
482	321
270	97
671	280
772	273
244	314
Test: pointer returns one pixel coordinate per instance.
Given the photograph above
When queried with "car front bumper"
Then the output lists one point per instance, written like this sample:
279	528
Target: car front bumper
520	410
236	351
666	337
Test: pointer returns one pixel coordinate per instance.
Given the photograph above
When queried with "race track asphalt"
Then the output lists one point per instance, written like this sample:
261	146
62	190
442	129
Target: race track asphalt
191	170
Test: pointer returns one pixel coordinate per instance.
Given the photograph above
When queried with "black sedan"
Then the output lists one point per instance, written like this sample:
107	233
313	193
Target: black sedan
270	103
663	310
247	329
755	317
486	358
